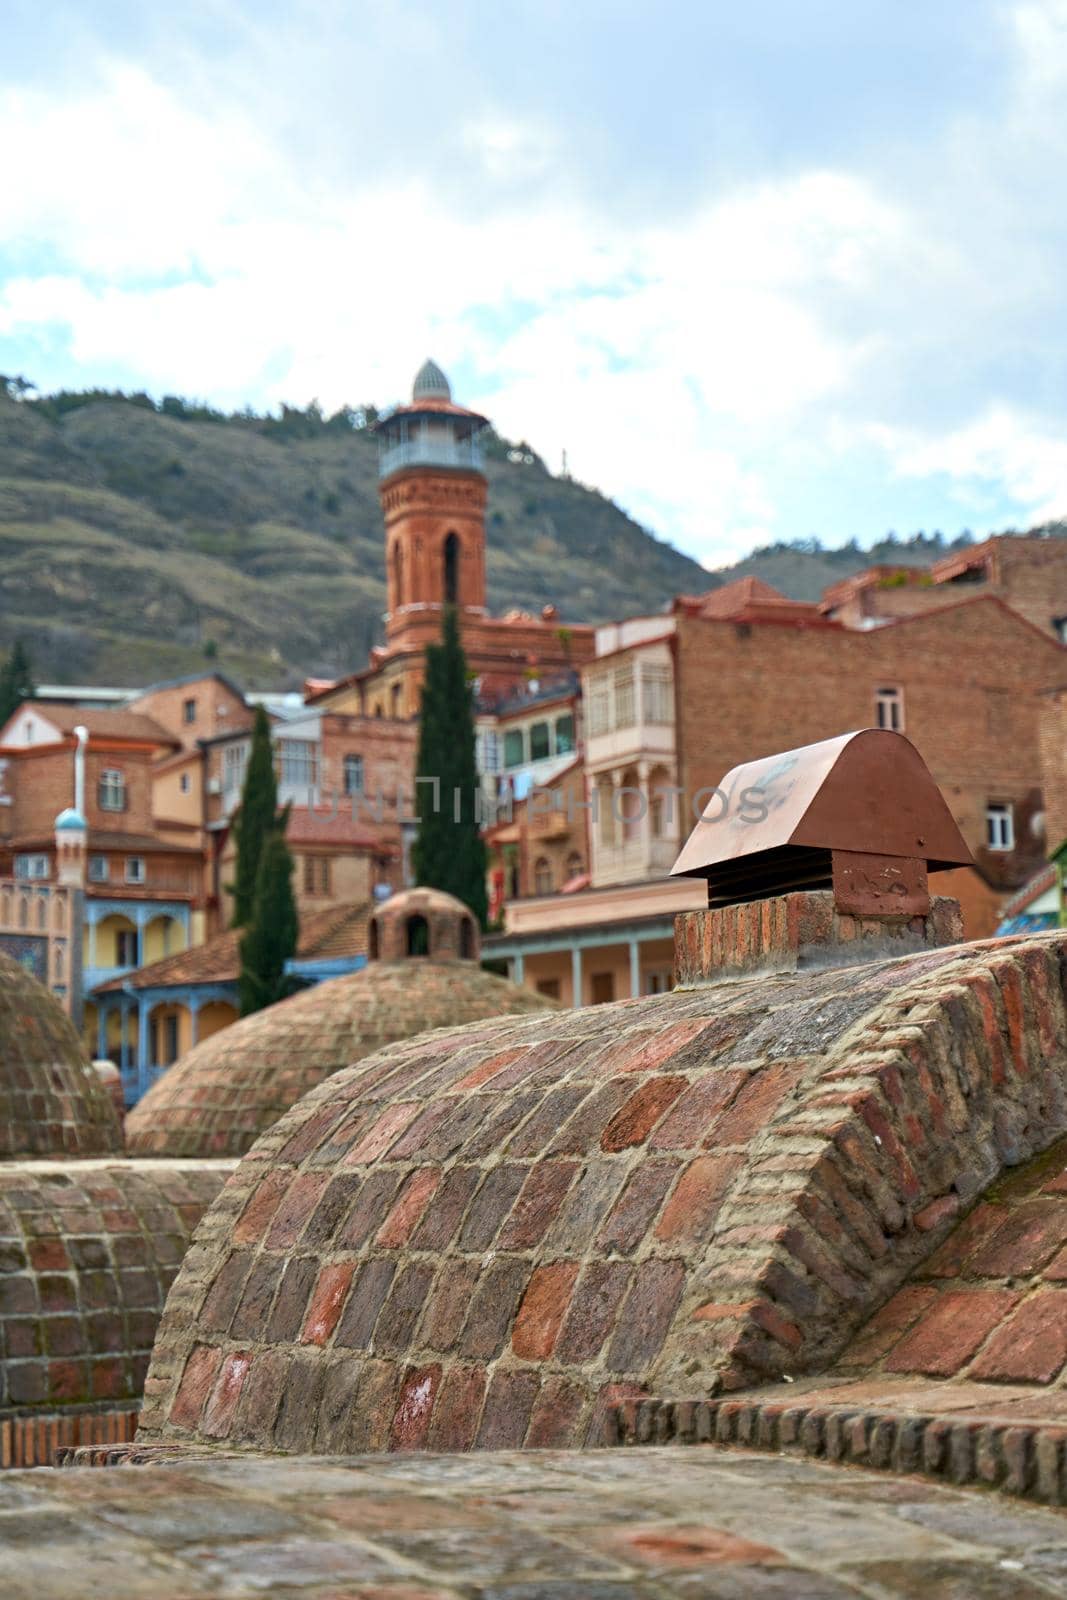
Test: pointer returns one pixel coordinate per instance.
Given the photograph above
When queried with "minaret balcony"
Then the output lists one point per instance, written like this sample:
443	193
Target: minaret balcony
393	454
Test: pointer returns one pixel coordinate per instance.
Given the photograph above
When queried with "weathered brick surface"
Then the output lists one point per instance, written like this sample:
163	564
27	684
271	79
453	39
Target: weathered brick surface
225	1092
88	1252
689	1239
52	1103
608	1525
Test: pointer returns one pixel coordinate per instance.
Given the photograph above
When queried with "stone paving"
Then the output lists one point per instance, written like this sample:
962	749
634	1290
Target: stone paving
536	1525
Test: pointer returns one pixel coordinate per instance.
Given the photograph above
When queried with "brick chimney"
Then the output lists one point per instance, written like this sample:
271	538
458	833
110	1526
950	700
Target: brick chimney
819	857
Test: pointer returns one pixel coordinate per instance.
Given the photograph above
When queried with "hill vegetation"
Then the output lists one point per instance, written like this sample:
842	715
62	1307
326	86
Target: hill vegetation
140	539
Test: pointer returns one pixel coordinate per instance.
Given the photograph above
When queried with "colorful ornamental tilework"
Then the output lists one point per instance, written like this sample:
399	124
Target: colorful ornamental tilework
490	1237
87	1254
51	1101
220	1097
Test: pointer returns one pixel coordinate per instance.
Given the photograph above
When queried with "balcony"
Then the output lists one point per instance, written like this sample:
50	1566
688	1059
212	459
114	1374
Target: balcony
465	454
633	862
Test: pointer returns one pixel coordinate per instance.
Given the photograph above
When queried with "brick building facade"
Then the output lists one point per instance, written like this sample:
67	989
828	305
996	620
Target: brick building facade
962	682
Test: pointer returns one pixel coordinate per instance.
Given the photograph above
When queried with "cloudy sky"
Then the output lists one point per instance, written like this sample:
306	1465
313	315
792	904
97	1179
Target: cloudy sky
764	271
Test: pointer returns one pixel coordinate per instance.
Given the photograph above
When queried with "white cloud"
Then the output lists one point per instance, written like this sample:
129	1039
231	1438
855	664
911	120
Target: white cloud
1000	450
685	365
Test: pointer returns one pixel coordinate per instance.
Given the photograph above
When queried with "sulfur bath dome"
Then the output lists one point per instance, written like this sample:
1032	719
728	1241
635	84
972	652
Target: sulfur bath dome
493	1235
423	974
51	1101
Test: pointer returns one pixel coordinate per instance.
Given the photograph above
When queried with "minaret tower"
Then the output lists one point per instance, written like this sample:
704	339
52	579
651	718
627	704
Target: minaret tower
433	493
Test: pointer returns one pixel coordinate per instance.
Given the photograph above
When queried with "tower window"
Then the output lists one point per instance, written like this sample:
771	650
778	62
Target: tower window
889	709
452	570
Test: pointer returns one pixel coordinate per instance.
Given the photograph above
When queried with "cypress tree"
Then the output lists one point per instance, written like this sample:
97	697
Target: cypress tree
270	938
449	851
16	681
255	820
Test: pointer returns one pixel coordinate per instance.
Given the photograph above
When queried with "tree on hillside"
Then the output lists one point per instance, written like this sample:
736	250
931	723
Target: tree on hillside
16	681
256	819
271	935
449	851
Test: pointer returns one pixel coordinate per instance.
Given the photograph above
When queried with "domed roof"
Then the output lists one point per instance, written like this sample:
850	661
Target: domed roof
89	1252
423	922
52	1103
70	821
490	1236
219	1098
430	383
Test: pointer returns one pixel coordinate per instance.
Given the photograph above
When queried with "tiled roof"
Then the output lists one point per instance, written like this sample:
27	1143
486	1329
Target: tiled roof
331	933
145	843
103	724
737	596
334	826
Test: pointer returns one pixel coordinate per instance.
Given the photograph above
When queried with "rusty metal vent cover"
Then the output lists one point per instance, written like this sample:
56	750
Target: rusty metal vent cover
806	818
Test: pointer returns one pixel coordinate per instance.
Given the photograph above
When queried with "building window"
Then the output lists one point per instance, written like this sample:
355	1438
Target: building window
542	876
316	875
602	987
575	866
296	763
35	867
184	783
111	790
540	743
126	952
656	698
98	872
625	707
135	869
599	708
889	709
565	735
1059	628
234	761
514	747
353	770
189	711
999	827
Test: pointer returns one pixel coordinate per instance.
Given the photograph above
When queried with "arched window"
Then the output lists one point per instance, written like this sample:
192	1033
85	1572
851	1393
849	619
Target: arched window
452	570
398	573
373	944
542	876
466	940
575	866
418	936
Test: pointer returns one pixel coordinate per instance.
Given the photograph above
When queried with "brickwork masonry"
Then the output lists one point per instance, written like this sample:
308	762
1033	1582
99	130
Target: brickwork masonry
492	1236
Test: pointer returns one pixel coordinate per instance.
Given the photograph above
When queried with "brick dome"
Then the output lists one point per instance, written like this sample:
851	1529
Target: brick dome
52	1103
423	922
491	1236
222	1095
88	1251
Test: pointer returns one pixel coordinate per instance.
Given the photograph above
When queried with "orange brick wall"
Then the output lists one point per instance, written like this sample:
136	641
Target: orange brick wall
42	784
970	675
218	709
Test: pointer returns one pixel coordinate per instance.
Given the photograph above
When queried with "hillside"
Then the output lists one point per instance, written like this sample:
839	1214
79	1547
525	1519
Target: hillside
136	544
133	543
